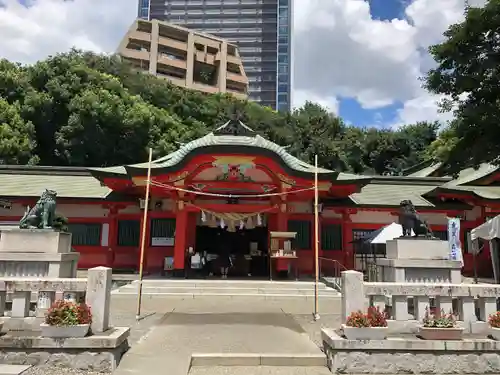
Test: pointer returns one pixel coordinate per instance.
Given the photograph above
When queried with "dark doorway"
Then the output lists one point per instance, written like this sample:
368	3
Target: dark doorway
248	250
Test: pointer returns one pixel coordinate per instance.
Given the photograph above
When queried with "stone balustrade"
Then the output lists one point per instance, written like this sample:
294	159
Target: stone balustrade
95	291
476	302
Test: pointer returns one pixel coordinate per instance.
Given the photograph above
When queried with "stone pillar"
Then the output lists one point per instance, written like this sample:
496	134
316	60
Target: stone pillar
98	297
353	293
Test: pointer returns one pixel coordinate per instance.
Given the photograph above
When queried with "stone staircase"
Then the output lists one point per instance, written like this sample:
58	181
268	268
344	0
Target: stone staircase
228	288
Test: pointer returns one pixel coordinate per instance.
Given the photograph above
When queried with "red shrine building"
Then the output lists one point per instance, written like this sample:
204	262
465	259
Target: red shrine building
236	184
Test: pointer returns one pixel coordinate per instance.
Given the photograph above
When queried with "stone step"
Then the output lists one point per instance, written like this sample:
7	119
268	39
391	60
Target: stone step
157	294
259	370
258	359
232	283
210	290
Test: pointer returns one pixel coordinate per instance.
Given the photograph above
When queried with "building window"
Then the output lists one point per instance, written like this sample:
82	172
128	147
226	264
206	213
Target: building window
283	87
303	229
283	78
331	237
283	68
283	59
283	48
162	228
85	234
128	232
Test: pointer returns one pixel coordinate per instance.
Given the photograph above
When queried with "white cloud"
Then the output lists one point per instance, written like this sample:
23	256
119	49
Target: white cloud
345	52
51	26
330	103
339	49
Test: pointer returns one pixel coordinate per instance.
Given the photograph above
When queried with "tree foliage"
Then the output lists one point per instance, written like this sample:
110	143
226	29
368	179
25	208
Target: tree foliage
468	73
83	109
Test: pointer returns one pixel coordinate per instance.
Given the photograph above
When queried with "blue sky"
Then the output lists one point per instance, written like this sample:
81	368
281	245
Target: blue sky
350	109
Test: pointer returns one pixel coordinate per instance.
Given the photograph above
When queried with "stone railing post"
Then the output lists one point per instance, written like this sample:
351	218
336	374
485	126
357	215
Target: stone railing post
353	293
98	297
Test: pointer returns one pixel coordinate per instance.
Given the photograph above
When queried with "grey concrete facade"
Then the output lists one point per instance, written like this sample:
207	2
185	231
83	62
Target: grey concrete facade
262	29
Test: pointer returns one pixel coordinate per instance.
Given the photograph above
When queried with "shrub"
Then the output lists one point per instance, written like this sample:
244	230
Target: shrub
66	313
438	319
372	318
494	320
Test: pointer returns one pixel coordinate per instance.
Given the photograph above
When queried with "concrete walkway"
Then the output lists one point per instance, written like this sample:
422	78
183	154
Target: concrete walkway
217	325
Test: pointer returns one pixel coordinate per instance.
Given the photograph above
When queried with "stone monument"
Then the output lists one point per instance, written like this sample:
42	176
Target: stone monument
36	249
417	258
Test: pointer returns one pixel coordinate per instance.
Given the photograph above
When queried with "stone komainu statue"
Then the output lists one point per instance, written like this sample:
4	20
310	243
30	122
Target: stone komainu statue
409	219
42	214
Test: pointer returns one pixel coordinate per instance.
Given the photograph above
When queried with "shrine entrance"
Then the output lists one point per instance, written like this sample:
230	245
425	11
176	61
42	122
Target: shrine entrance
242	238
247	248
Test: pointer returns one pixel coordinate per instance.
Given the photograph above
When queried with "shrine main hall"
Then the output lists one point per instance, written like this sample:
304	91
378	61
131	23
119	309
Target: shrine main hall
234	183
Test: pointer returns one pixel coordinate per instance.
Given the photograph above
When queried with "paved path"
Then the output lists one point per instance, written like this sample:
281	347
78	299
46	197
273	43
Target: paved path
163	342
262	370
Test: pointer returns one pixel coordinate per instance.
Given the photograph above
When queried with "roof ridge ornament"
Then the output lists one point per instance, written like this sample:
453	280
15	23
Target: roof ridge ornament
234	126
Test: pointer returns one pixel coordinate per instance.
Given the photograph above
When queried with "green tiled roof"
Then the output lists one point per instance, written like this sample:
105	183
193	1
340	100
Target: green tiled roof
392	192
427	171
486	192
470	175
231	140
32	181
246	137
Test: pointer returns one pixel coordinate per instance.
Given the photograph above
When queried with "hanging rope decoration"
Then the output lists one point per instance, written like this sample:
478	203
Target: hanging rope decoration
170	187
230	219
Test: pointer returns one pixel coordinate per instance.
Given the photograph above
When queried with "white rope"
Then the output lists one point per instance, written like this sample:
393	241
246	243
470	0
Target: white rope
158	184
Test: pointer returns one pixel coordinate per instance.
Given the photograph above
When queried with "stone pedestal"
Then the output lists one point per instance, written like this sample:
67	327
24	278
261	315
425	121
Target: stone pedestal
417	248
34	241
418	260
36	253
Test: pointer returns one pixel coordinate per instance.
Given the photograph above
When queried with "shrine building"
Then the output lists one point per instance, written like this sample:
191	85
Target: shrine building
233	182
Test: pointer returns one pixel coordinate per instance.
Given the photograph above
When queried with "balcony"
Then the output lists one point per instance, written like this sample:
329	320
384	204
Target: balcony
166	60
237	78
172	43
237	94
140	35
205	88
135	54
176	81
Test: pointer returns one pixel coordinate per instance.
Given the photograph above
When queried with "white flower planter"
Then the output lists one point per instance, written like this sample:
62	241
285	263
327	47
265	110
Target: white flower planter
495	333
365	333
79	330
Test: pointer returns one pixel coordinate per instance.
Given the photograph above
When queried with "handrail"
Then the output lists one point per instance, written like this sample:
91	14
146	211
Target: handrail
344	268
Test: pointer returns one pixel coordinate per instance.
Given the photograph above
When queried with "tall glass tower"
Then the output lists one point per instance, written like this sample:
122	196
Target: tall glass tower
262	29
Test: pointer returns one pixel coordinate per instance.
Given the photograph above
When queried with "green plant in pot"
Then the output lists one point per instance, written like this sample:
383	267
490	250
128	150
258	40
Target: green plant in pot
437	325
67	319
371	325
494	321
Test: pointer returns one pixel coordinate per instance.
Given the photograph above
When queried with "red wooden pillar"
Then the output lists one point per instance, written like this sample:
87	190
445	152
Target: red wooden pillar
181	223
112	235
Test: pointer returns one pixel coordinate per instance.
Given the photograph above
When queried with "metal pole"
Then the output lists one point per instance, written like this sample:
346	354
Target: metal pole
143	236
316	240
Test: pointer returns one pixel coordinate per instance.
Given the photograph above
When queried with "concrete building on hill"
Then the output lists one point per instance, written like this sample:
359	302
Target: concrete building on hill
186	58
233	175
262	29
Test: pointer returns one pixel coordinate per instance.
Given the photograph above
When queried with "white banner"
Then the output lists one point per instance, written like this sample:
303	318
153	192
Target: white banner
454	242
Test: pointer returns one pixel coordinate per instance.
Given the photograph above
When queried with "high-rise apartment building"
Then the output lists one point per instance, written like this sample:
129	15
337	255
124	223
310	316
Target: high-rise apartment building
262	29
185	57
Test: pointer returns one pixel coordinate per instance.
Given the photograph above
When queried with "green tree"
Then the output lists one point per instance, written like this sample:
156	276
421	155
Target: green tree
16	136
84	109
468	73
